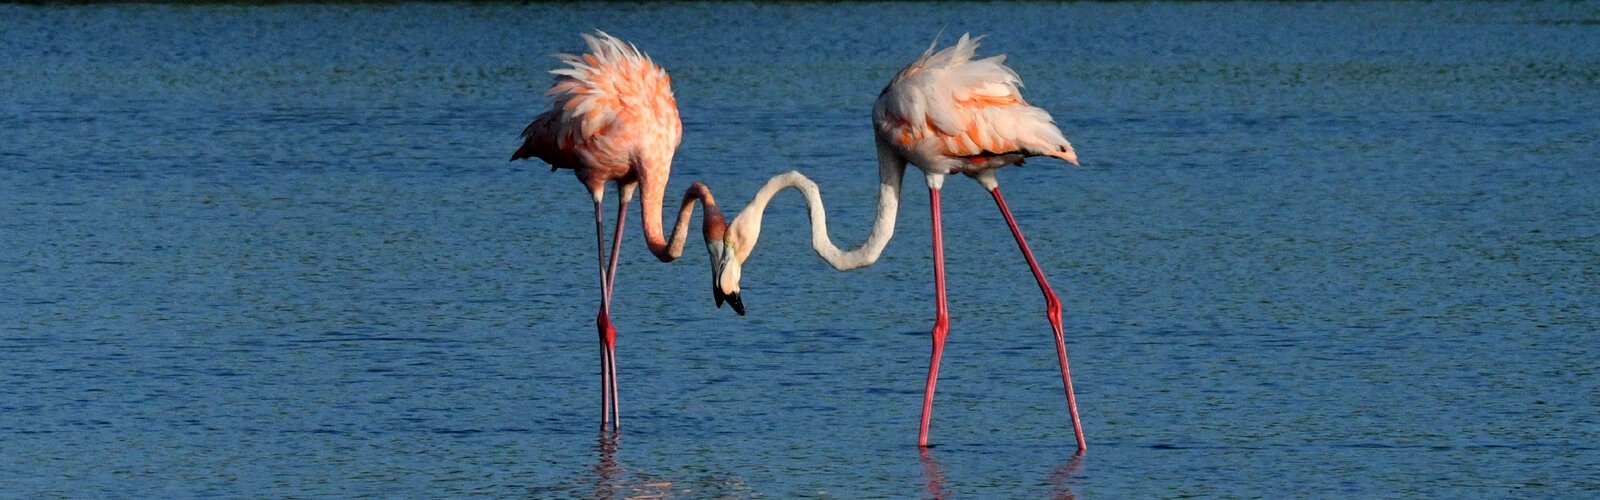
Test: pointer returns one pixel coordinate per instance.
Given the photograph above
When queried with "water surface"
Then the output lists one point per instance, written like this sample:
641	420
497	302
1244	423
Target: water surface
1314	250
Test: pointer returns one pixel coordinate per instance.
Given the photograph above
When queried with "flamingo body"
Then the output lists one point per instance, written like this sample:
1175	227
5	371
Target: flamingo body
612	117
948	113
945	113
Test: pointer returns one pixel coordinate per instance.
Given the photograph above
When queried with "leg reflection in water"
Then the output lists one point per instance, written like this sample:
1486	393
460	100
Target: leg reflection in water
932	474
1060	479
612	480
607	474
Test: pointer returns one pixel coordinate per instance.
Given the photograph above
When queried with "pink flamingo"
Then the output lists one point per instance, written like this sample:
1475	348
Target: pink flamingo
945	113
613	119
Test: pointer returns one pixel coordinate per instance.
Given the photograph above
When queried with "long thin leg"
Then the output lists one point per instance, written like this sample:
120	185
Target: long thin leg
1052	312
603	319
611	342
616	246
941	323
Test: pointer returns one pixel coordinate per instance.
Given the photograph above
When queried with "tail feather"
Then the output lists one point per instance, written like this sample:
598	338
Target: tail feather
1067	154
528	150
537	141
530	140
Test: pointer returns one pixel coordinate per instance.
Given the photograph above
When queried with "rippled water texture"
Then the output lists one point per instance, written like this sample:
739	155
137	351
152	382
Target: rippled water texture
1314	250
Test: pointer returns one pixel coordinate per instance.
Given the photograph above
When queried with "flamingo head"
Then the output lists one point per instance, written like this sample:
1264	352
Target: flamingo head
729	253
724	261
725	275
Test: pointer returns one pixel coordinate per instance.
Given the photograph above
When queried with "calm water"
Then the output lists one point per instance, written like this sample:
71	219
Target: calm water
1315	250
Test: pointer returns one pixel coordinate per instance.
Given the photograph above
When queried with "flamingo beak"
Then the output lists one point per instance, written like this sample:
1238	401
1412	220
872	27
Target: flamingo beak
724	276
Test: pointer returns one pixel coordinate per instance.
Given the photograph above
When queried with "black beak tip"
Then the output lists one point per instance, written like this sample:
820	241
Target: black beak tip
731	298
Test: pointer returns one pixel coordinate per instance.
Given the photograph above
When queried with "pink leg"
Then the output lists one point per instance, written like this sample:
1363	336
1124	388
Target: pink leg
611	280
616	248
603	319
1052	312
607	386
941	323
610	411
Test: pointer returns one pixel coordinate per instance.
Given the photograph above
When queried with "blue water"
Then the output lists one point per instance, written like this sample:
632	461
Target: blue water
1314	250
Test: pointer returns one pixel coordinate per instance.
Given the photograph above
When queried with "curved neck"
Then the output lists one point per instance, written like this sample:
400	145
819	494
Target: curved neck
747	225
712	226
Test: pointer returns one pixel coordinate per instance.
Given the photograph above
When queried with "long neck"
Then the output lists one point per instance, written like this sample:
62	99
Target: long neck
891	168
712	226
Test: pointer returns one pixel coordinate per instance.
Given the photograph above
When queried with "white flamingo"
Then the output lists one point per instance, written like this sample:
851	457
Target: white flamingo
945	113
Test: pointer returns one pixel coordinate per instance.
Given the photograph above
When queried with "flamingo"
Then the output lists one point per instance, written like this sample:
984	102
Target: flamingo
945	113
613	119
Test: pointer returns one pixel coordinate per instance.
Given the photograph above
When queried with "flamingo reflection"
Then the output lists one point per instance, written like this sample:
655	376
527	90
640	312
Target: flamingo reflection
1059	480
612	480
932	475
